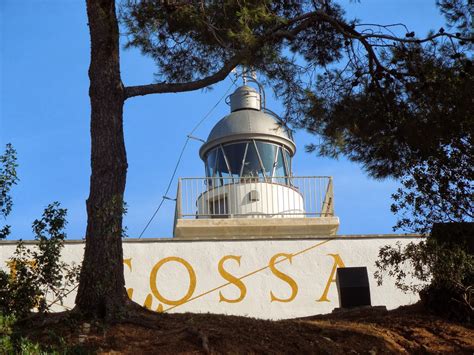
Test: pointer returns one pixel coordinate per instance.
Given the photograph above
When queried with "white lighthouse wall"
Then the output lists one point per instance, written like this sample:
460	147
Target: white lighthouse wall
256	199
185	276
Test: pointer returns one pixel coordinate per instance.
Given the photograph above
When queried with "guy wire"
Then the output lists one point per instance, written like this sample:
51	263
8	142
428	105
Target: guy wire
181	155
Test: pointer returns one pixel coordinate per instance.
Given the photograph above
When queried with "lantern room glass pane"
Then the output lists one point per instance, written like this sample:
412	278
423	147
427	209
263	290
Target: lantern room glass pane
280	169
221	168
211	164
288	162
252	163
267	153
235	156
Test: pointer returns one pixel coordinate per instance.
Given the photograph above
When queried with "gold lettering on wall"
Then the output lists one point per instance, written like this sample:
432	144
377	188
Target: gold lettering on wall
128	262
148	301
12	265
284	277
153	282
337	263
232	279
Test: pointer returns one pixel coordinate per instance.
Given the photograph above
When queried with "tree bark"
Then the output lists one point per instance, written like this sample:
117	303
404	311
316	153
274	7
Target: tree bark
101	290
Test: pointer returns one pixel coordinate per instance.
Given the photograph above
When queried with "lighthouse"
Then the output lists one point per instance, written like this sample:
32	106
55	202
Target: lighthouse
249	189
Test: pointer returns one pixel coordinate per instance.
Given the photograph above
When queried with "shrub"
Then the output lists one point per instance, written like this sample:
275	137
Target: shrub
8	178
10	343
440	269
38	278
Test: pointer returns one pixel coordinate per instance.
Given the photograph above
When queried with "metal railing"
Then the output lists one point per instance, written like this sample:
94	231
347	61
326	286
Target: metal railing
257	197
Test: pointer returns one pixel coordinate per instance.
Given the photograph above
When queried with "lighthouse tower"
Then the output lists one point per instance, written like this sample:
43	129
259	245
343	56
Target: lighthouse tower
249	190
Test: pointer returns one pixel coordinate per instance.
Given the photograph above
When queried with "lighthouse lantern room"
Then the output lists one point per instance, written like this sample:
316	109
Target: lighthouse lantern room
249	190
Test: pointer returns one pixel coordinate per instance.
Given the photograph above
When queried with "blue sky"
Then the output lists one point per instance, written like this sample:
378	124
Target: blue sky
44	112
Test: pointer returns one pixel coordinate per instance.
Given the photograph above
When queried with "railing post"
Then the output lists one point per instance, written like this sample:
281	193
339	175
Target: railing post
178	214
328	203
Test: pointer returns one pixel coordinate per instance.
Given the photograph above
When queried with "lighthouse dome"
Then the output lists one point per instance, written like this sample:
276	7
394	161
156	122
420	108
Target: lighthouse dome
248	124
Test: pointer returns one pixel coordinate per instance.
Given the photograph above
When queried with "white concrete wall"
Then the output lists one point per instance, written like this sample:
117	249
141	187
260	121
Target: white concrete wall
184	276
271	200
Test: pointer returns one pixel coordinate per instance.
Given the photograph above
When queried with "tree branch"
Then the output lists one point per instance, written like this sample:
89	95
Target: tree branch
160	88
303	21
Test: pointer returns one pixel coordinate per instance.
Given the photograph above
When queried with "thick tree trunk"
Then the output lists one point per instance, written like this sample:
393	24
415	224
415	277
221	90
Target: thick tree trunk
102	286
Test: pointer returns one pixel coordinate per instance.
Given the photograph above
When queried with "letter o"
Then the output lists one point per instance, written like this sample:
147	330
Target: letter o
192	281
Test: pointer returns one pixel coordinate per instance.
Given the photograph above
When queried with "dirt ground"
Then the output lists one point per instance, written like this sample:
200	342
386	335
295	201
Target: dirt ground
364	331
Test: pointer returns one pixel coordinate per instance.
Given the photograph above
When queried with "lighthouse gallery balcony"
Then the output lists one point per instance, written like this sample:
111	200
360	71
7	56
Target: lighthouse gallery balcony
255	197
254	207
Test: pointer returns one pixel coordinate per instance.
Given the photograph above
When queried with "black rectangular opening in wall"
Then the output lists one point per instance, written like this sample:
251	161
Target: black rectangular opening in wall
353	287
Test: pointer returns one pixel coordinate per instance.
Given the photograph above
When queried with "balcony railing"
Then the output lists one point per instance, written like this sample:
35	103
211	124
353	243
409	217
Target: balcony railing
257	197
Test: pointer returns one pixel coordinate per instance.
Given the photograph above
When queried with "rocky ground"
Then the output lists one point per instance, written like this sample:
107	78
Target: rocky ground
364	331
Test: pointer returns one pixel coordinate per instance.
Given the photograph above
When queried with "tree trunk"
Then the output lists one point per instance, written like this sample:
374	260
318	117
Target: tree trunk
102	286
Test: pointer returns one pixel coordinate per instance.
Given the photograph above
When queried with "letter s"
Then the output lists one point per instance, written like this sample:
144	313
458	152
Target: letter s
232	279
284	277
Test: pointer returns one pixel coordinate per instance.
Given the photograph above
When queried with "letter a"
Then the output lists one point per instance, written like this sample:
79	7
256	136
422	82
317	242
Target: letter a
337	262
